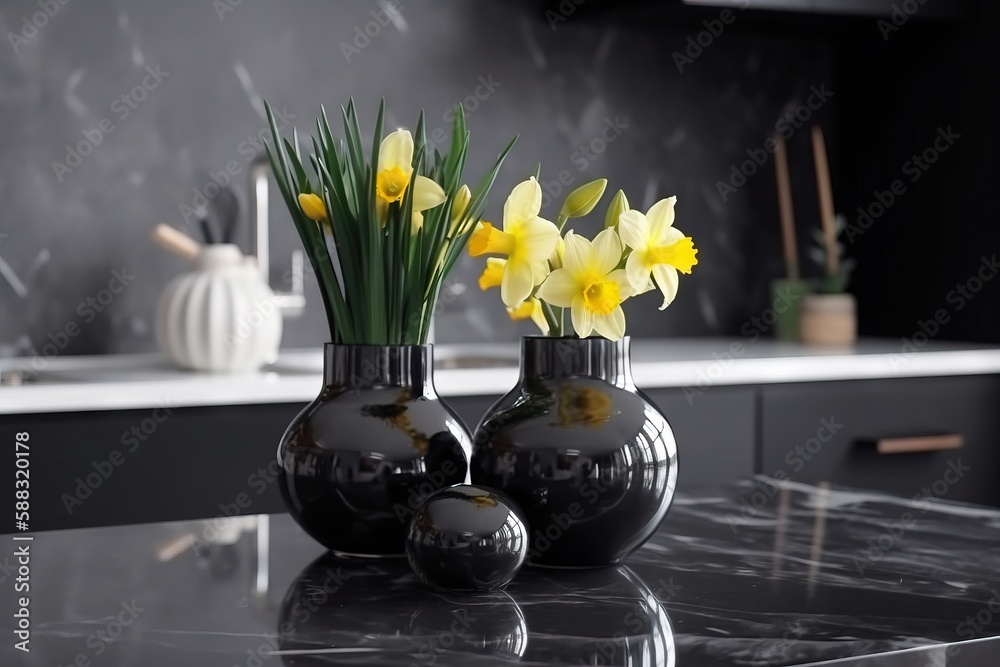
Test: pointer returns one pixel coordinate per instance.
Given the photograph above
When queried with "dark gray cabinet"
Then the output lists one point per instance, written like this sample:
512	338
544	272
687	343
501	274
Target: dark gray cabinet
134	466
830	431
714	431
128	466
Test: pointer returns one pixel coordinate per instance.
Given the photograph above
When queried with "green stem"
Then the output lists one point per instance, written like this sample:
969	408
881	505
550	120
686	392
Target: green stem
555	323
561	221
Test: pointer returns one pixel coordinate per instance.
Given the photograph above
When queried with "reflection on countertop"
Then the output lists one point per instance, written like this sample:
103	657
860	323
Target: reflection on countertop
759	573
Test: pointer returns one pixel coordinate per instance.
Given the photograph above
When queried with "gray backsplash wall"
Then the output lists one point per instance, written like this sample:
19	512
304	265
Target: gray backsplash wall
63	236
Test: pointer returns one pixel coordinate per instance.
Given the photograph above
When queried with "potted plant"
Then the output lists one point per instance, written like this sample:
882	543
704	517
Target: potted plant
381	229
588	457
829	314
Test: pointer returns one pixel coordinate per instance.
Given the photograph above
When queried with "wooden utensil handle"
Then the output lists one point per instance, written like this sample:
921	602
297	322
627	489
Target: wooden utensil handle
927	443
176	242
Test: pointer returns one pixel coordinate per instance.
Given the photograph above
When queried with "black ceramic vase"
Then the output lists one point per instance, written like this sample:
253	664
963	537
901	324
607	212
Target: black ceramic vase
359	460
589	459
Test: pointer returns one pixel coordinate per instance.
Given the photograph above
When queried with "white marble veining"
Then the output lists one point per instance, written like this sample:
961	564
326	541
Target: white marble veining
822	576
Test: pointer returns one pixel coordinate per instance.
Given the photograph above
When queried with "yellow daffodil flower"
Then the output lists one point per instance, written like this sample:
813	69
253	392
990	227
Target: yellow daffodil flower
459	203
590	285
394	171
532	308
313	207
658	248
493	273
526	239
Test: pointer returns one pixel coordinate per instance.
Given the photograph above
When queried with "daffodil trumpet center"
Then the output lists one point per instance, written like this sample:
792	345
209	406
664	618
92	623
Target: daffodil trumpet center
680	255
390	184
490	240
601	296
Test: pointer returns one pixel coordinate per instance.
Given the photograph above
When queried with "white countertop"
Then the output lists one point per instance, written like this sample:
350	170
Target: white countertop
118	382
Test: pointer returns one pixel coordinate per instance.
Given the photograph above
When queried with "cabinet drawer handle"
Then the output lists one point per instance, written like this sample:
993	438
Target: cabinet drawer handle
930	443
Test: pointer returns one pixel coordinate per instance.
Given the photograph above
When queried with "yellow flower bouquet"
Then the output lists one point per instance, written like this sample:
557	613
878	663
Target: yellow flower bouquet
383	229
542	273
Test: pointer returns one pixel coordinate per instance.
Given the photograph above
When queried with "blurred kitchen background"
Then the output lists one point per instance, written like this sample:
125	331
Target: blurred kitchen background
594	88
119	115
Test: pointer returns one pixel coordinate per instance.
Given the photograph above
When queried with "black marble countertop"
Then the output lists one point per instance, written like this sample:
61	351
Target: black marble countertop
813	576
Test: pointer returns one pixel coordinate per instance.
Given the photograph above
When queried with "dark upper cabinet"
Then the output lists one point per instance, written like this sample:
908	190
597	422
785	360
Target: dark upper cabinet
917	9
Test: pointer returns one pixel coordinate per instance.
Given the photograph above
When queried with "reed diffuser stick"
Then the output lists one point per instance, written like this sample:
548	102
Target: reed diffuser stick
787	216
827	215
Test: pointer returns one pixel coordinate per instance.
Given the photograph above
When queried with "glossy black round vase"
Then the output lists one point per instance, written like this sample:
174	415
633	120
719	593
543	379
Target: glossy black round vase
359	460
467	538
588	458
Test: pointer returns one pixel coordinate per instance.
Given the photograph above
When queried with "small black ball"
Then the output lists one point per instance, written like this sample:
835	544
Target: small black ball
467	538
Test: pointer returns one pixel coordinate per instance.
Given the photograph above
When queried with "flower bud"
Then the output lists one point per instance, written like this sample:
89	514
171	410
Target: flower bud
618	205
459	203
582	201
556	260
313	207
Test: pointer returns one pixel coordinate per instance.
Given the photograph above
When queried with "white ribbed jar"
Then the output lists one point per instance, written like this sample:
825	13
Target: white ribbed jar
220	317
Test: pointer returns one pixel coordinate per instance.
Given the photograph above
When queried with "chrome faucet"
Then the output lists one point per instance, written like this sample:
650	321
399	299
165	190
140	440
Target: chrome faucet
291	303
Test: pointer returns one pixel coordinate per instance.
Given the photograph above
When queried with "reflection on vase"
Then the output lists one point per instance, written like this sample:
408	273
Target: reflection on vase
624	623
342	612
345	610
467	538
360	459
588	457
